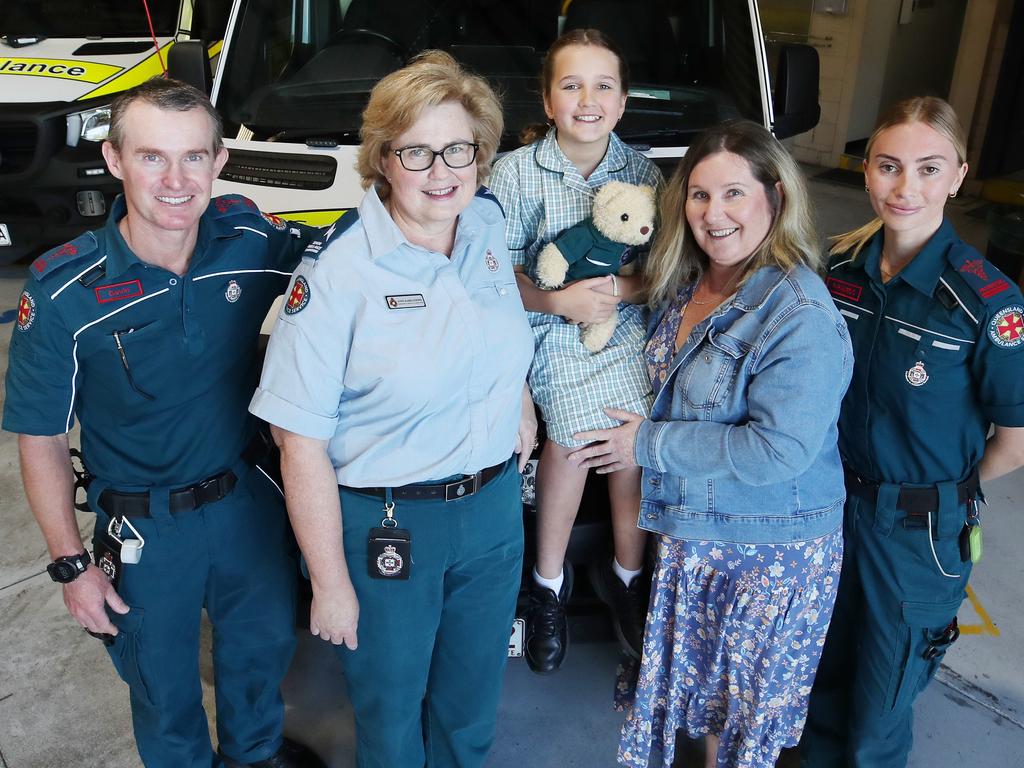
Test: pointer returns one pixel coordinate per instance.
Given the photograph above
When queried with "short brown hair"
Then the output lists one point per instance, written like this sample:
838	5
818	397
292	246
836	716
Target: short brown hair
167	94
397	101
676	258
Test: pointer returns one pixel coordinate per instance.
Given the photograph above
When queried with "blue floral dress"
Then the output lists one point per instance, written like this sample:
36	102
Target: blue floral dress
734	635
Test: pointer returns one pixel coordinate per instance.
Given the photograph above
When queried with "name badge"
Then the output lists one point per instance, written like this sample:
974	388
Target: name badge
405	301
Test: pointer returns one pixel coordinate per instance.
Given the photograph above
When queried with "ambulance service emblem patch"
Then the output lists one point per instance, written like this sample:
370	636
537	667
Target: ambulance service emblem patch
298	298
233	292
275	221
389	562
490	261
917	375
1006	329
26	311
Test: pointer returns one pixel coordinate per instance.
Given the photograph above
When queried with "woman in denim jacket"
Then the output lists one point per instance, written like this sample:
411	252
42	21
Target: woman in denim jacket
749	361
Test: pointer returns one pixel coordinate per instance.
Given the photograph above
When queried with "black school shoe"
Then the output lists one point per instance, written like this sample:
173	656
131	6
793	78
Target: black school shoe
547	635
291	754
628	604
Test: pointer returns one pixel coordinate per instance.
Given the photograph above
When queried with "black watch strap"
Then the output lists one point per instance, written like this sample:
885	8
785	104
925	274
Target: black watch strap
64	570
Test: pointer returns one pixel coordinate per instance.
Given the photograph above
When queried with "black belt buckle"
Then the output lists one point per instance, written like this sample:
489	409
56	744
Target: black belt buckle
458	489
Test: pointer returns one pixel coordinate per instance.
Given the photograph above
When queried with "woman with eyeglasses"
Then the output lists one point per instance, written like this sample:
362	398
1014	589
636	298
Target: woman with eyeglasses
395	383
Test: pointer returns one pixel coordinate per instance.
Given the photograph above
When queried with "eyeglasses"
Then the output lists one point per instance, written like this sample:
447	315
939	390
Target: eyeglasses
457	155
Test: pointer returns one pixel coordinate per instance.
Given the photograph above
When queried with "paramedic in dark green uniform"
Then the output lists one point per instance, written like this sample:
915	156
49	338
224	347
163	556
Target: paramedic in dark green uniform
147	330
938	340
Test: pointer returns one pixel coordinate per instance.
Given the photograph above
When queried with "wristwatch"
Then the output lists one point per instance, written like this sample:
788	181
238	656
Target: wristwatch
64	570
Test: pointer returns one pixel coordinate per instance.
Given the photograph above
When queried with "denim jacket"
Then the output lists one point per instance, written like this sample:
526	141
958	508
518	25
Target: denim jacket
741	442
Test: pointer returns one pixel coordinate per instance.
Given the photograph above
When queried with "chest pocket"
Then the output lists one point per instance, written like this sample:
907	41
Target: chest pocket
712	370
945	362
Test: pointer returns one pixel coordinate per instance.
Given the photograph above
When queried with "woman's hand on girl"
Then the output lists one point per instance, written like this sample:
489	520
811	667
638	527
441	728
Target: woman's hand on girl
609	450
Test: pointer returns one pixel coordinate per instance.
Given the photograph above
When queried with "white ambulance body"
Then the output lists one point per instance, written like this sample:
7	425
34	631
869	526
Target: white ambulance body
295	75
61	62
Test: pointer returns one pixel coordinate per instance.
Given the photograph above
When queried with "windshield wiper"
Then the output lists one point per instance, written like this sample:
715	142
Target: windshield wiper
21	41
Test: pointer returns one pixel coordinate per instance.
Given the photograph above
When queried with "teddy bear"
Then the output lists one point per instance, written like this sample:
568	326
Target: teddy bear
604	244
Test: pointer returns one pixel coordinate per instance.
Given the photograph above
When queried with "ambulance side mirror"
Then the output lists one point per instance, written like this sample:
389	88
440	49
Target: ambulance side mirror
189	62
796	90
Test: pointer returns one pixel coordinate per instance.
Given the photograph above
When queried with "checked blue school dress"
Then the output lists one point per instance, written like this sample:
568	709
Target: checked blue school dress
543	194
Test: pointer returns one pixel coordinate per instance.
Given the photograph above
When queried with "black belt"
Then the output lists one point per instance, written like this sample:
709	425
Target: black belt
456	489
916	502
213	488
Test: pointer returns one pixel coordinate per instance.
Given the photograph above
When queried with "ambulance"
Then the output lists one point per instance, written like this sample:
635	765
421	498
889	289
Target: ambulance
61	62
295	75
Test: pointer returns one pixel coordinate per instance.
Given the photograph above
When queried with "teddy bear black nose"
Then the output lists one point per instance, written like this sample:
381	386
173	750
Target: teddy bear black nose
625	217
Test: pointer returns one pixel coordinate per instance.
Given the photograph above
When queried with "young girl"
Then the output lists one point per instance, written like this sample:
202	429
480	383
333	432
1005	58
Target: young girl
545	188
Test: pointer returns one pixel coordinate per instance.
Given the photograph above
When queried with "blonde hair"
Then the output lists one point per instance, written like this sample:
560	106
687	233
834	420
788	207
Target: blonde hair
934	112
676	258
397	102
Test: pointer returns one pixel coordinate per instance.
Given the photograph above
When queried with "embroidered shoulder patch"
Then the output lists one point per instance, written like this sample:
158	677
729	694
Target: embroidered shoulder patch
1006	328
275	221
298	298
26	311
228	205
64	254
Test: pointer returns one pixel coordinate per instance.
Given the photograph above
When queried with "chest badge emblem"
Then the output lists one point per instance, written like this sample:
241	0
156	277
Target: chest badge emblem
389	562
490	261
233	292
917	375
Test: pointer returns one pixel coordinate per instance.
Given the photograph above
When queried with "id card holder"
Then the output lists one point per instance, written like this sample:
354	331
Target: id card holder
388	547
107	556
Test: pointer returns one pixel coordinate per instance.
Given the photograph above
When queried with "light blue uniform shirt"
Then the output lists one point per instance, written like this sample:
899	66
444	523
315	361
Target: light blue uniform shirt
409	363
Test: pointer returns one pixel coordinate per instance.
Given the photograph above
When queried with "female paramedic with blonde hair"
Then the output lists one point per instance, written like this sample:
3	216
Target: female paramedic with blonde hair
938	340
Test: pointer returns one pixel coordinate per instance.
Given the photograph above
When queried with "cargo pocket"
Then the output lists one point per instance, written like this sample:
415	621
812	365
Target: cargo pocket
921	624
126	652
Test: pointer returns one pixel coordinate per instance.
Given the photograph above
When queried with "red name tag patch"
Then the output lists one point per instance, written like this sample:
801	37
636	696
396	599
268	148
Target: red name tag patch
118	291
843	289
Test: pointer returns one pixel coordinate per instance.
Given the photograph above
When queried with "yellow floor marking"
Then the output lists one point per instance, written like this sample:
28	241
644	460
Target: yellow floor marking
986	627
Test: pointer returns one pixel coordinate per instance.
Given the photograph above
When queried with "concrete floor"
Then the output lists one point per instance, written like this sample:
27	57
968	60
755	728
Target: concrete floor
62	704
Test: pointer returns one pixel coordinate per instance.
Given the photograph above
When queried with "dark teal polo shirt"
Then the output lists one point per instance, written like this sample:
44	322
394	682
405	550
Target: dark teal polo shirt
938	357
158	368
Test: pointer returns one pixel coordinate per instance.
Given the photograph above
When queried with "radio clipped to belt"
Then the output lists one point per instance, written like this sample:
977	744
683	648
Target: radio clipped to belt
970	536
387	555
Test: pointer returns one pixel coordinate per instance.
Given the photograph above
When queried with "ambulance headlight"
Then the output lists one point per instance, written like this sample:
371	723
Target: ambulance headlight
89	124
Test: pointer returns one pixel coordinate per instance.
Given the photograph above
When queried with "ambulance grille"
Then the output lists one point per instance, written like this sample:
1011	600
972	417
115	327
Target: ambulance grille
276	169
17	146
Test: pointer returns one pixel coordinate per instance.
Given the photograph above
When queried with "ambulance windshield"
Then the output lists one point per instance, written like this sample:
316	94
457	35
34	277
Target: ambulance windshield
21	21
302	69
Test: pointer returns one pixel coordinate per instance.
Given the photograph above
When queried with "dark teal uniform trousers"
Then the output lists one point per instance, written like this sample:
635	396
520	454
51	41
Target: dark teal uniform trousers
892	609
227	556
432	650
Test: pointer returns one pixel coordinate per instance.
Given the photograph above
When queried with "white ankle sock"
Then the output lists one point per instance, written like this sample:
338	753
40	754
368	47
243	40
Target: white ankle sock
625	575
555	584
